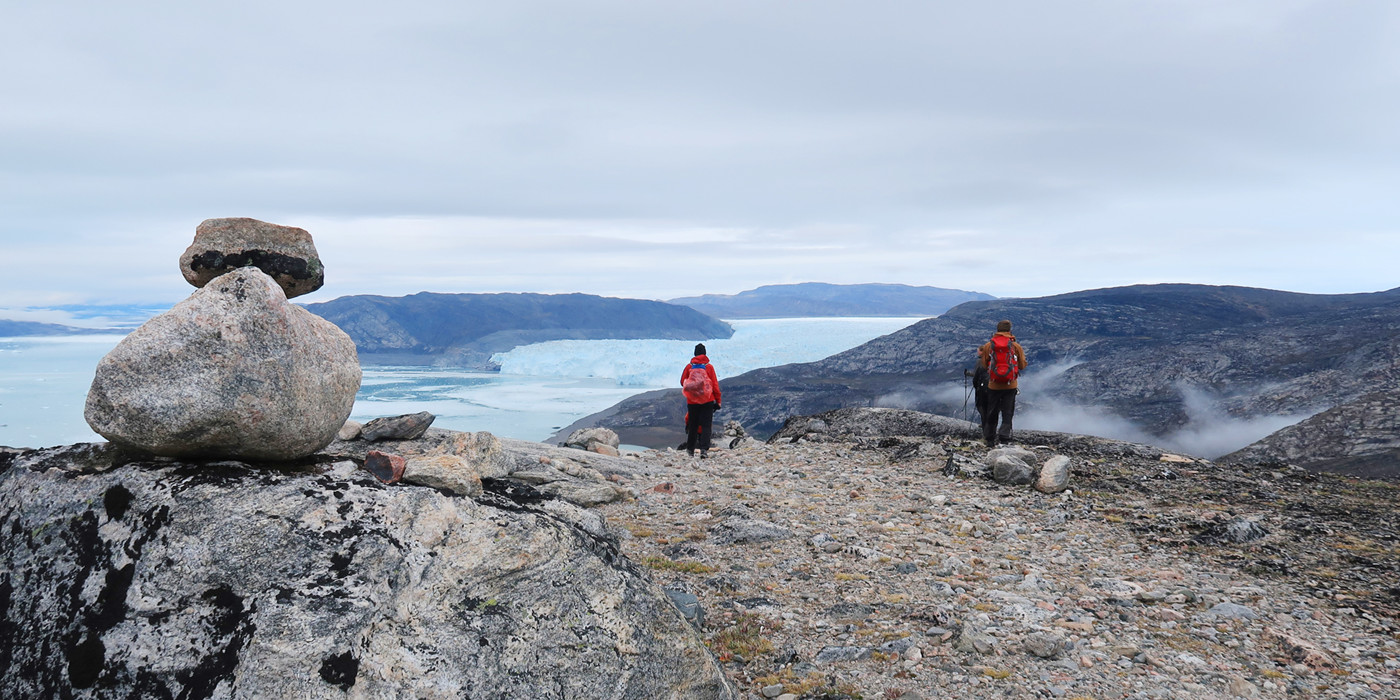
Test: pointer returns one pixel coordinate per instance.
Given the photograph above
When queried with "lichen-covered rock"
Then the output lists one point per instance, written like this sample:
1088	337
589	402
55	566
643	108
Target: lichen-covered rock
179	580
234	371
285	253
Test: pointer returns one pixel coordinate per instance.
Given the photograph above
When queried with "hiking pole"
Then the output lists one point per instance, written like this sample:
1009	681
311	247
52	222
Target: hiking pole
967	393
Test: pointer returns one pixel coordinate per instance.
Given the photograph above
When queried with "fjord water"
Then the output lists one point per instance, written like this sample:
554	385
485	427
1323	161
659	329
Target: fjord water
540	388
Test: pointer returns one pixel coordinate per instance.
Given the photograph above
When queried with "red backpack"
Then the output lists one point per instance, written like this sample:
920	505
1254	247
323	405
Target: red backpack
1003	366
697	385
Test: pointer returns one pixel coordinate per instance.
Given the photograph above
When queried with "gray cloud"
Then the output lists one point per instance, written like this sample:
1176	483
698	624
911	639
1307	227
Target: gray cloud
1086	145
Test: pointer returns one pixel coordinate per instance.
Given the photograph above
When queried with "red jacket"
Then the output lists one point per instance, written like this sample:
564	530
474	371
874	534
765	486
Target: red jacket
709	369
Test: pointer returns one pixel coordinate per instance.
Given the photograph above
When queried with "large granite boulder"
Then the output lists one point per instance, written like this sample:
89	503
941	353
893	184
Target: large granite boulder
166	579
285	253
234	371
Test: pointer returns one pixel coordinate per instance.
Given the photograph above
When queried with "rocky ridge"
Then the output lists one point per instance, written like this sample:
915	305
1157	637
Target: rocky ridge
1149	354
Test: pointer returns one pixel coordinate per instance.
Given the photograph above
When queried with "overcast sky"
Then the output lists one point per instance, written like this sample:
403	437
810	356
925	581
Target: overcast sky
656	149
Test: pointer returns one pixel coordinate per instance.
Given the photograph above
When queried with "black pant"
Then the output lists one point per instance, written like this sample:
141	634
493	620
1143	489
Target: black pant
1000	402
698	419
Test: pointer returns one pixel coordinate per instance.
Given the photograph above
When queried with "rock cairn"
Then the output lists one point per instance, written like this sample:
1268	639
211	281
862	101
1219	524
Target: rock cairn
234	371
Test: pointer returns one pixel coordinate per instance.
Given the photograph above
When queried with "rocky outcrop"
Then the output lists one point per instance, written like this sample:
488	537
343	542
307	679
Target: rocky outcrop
583	478
285	253
174	579
233	371
1360	437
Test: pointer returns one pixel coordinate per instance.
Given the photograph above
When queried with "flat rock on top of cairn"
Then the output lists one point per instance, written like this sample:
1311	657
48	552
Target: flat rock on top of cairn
285	253
234	371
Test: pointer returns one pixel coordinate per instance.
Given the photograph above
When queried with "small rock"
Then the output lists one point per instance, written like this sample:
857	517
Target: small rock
689	607
772	691
736	530
349	431
1054	475
406	427
839	654
1230	611
1242	688
1012	471
586	438
1045	645
284	253
448	472
1240	531
386	467
606	450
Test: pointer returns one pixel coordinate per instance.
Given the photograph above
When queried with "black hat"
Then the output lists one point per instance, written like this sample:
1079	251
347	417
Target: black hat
699	348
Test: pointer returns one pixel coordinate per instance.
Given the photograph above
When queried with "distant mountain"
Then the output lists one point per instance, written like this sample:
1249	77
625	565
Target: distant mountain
466	329
1161	357
819	299
14	329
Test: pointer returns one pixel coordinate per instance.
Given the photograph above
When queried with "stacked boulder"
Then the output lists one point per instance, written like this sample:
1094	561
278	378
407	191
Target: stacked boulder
235	371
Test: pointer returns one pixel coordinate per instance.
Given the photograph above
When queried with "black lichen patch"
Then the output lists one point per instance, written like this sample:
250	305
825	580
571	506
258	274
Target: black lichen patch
511	495
340	670
116	501
230	621
8	632
272	263
85	661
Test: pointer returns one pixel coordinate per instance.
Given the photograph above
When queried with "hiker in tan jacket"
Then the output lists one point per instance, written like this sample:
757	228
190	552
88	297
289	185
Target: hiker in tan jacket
1004	359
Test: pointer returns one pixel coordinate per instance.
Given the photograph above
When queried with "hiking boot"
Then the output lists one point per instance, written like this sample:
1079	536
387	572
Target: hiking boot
704	454
690	453
990	443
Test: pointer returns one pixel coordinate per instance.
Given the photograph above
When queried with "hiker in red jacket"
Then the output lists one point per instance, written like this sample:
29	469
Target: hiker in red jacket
1004	360
701	389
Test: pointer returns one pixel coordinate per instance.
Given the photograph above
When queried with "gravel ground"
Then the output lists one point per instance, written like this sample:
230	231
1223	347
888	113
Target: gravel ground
880	568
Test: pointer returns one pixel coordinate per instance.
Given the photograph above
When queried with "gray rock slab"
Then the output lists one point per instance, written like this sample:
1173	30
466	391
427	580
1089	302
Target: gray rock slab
737	530
409	426
831	655
233	371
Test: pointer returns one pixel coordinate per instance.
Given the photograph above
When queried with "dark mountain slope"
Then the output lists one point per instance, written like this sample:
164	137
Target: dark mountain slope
821	299
465	329
1150	354
1360	437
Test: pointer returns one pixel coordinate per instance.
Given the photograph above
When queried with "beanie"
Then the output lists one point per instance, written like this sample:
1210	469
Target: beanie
699	348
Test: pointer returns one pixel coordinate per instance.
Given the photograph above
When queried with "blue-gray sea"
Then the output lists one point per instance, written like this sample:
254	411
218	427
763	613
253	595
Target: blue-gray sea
540	388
